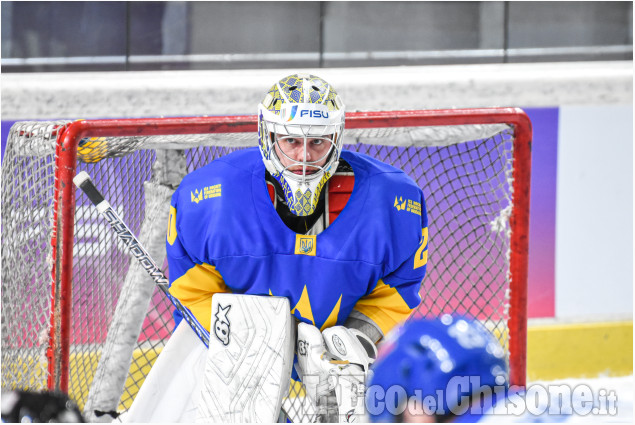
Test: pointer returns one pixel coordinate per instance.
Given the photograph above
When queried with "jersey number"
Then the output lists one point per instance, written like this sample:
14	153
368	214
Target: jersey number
421	256
172	226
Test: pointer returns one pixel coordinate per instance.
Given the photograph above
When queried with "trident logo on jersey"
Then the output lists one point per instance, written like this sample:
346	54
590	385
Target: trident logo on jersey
197	196
400	203
222	325
305	245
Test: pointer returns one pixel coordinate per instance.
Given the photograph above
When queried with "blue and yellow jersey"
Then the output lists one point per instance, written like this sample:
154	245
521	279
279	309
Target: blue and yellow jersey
224	235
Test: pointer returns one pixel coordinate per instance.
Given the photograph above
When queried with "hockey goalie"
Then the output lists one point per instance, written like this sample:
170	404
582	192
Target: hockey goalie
298	257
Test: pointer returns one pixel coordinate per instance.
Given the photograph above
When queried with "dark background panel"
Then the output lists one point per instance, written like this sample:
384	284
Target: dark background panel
80	36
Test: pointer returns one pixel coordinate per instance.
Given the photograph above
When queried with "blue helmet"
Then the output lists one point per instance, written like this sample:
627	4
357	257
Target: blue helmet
423	356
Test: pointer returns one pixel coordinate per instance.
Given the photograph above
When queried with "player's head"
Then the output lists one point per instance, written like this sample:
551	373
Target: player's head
300	125
425	355
21	406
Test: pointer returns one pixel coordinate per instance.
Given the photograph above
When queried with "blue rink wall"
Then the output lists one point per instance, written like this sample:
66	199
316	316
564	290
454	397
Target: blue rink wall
581	218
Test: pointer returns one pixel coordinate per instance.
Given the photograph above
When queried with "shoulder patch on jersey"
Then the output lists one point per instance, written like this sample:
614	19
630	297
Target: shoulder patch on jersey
409	205
207	192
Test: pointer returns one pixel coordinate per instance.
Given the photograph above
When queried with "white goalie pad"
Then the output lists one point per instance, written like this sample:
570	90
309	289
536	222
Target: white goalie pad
248	368
172	387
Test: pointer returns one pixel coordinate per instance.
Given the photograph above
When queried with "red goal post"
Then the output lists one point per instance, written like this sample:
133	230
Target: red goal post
517	134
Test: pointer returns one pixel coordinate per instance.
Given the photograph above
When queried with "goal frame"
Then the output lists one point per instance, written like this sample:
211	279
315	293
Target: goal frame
68	139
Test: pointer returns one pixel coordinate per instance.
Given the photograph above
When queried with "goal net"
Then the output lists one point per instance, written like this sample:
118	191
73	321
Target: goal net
81	316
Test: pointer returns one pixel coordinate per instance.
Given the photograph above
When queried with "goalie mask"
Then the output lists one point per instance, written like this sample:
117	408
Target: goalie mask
300	124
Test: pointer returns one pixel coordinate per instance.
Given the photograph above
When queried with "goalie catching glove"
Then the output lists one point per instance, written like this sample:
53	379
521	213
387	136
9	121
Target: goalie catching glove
334	367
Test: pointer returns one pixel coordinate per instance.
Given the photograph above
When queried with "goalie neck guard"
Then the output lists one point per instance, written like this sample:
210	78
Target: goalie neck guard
300	125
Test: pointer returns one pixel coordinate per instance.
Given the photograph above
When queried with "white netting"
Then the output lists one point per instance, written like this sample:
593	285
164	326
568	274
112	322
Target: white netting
27	215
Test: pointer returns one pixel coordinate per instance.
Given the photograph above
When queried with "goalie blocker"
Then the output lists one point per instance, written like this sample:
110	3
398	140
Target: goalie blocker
247	368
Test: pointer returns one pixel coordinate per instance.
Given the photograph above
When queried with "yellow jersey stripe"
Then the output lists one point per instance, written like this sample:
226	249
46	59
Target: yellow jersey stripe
384	306
195	289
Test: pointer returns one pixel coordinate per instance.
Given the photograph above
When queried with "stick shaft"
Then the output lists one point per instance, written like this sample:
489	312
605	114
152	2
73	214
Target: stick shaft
84	182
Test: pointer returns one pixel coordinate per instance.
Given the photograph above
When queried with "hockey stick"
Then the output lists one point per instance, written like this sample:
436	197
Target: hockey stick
83	181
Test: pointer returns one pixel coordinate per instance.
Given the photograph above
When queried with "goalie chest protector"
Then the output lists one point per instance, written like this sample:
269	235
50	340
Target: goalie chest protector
225	218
